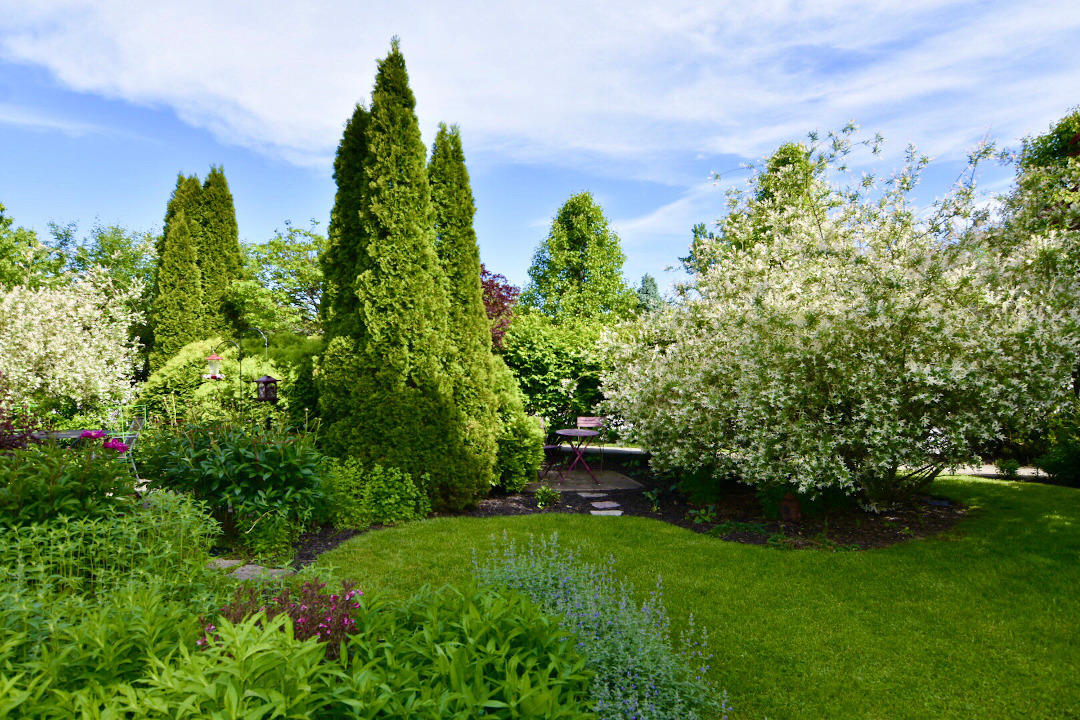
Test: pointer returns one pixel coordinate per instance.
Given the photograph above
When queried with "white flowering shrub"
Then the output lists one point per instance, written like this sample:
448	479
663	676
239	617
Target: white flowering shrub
842	341
69	345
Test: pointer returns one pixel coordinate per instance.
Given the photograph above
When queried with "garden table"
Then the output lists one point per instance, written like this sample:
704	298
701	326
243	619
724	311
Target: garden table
582	439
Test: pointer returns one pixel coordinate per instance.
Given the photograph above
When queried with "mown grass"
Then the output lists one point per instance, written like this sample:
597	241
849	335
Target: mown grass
980	622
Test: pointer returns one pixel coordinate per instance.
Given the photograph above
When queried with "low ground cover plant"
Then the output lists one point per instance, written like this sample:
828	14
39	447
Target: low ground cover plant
640	671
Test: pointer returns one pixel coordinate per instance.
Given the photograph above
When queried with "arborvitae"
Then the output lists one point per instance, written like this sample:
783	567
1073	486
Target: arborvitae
176	312
220	258
648	293
577	272
184	200
345	240
385	395
492	404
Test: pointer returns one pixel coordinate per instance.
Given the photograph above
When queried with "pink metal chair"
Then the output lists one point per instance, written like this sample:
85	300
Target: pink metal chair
587	422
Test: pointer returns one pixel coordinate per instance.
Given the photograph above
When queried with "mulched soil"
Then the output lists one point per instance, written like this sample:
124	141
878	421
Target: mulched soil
737	518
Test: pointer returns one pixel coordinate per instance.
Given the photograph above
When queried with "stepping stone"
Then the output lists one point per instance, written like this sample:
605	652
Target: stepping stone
258	572
605	505
223	563
606	512
591	495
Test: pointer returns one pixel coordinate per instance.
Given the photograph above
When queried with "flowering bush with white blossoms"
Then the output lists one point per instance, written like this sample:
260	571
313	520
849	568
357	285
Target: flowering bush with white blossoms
842	341
69	344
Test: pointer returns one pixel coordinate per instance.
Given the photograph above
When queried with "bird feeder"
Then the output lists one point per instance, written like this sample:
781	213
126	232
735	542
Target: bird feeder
213	367
267	389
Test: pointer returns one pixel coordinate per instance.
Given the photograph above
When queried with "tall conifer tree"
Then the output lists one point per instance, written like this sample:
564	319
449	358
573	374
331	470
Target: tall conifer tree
484	387
385	392
184	200
218	242
176	312
345	239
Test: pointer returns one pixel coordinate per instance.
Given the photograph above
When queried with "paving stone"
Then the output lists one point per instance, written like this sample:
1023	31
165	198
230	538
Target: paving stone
258	572
605	505
607	512
591	495
223	563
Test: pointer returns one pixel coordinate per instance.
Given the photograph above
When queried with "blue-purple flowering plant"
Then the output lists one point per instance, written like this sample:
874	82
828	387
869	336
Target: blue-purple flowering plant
641	673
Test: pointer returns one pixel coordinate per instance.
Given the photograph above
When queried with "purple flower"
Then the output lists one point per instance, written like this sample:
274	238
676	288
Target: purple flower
92	434
117	445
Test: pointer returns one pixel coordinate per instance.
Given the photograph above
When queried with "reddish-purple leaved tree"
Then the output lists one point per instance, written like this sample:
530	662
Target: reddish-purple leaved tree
499	299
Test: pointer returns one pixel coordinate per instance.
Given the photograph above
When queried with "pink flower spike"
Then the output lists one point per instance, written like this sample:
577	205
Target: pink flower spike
92	434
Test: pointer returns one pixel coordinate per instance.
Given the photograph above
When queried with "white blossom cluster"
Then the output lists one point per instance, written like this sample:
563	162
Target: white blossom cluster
852	345
69	343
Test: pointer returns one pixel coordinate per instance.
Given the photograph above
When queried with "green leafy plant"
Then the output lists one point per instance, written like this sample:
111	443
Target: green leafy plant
547	496
1008	467
653	496
702	516
244	472
39	483
360	496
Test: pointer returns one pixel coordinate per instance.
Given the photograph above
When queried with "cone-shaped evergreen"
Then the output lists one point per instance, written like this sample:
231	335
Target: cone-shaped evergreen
218	243
185	201
341	259
176	312
490	404
385	393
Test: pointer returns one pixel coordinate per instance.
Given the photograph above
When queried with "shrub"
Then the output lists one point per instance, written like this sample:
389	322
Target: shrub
39	483
245	473
1062	460
547	496
639	672
520	439
179	384
359	497
836	337
557	366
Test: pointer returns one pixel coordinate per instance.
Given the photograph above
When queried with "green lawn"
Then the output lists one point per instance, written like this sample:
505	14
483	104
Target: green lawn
981	622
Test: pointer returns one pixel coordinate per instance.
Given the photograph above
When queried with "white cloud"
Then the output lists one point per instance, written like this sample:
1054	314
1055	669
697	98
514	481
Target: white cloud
32	119
611	87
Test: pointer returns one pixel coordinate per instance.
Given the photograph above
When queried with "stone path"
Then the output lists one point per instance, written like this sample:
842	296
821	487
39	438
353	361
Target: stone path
603	507
248	572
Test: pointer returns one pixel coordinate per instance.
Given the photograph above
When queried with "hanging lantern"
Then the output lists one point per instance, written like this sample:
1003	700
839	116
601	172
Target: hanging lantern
213	366
267	389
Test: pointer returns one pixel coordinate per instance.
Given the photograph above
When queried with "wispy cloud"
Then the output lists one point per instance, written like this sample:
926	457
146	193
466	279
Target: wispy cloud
611	87
31	119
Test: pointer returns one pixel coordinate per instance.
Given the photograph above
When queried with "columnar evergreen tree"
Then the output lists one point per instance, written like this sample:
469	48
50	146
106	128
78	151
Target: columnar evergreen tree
185	198
221	260
176	311
484	389
577	272
386	394
345	237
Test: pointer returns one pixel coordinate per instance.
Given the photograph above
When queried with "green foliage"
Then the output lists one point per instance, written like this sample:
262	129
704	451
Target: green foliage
1008	467
39	483
128	258
385	394
247	305
557	366
250	476
358	497
520	439
1062	459
547	496
220	258
24	260
177	387
640	672
342	260
577	272
288	267
1061	142
648	295
176	314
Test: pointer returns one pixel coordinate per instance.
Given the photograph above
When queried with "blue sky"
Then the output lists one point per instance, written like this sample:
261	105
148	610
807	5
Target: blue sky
103	103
